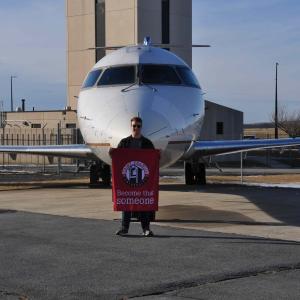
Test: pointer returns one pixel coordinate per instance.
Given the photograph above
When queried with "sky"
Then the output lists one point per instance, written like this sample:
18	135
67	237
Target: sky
33	47
247	37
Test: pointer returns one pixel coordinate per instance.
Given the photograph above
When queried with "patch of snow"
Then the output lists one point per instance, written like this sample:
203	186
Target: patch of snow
295	185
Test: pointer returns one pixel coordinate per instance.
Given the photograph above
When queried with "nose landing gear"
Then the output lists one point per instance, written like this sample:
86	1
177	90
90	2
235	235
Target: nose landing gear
100	170
195	173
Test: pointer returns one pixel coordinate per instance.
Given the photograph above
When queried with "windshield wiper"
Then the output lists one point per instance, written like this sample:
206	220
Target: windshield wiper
128	87
140	80
141	83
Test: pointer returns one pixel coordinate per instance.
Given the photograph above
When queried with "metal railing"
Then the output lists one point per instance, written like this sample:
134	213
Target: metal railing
13	135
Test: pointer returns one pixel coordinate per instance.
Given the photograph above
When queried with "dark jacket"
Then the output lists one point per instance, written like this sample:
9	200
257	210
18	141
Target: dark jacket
146	143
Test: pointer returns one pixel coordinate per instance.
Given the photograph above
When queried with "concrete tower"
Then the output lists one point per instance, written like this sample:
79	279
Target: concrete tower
95	23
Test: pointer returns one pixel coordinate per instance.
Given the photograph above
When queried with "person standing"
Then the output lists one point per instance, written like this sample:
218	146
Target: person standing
136	140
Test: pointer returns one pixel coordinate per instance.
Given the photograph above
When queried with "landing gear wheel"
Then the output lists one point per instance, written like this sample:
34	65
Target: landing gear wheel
94	174
201	175
105	175
195	173
100	170
188	171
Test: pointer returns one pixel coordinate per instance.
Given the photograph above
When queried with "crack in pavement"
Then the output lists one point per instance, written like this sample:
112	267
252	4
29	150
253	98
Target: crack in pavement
177	287
20	296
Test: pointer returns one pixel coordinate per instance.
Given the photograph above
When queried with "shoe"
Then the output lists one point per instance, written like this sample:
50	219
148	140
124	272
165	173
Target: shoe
148	233
122	231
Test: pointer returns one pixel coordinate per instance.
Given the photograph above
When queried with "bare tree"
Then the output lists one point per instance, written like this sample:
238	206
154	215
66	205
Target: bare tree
289	122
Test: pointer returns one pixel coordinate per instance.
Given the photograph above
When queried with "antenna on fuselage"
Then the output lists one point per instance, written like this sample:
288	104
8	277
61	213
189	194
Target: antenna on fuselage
147	41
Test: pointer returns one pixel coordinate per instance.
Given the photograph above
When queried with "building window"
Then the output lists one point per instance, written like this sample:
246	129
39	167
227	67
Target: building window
220	128
71	125
165	21
100	28
35	125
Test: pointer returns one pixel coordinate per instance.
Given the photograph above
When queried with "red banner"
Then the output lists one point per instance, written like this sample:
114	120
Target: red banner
135	174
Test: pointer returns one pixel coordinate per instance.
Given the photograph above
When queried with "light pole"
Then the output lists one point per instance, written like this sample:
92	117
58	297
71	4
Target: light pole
11	93
44	143
276	104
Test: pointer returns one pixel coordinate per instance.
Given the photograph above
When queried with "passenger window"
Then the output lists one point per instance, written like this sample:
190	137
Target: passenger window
92	78
188	77
118	75
154	74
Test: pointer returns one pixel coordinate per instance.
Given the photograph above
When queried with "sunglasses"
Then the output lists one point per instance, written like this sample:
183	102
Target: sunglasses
135	125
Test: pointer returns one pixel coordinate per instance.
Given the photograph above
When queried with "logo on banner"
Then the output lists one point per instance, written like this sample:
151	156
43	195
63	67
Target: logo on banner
135	173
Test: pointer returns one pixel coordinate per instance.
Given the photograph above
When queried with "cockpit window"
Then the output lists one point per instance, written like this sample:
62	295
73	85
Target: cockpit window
118	75
159	74
91	78
187	77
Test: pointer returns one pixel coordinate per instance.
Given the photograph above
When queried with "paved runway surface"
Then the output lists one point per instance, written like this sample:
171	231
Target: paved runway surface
59	243
257	211
55	257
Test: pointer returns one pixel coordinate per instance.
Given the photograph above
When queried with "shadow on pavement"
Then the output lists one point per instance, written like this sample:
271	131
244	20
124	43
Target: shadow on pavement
227	239
218	222
7	211
282	204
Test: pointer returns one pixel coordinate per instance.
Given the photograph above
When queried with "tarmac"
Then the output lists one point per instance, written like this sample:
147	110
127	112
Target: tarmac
212	242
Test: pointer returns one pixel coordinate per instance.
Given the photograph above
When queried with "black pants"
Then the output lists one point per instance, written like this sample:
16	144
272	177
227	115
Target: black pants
145	217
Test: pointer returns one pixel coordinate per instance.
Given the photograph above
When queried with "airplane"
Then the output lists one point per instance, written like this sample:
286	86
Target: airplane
148	81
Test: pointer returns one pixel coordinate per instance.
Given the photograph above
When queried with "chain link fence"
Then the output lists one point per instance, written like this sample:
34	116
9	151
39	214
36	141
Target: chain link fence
14	136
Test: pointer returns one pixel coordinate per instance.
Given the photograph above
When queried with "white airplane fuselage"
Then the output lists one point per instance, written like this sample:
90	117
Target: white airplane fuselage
172	114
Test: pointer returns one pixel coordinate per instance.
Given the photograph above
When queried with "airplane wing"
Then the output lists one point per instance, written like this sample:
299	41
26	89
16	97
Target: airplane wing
223	147
71	151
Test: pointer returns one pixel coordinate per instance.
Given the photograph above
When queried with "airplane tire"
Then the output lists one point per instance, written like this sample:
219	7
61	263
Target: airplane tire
188	172
201	175
94	176
105	175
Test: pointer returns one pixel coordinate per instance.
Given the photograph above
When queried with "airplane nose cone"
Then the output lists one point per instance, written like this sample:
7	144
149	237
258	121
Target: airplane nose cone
155	127
157	113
